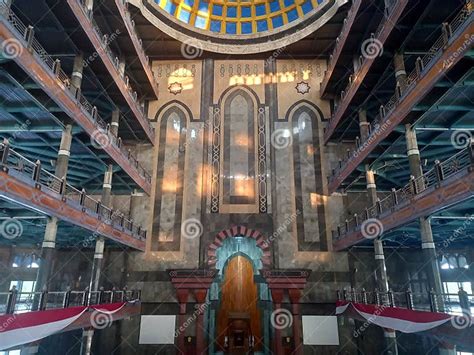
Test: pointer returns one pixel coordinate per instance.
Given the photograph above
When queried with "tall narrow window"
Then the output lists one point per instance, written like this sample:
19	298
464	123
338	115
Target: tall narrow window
239	168
169	181
308	178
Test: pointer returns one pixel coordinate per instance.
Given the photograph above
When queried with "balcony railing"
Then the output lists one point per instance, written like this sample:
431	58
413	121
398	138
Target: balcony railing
105	40
19	302
440	172
423	65
451	303
26	34
11	160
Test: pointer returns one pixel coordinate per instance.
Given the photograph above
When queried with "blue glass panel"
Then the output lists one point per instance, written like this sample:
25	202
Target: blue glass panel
274	6
217	10
170	7
307	7
277	21
190	3
231	28
246	27
260	10
246	11
232	11
289	2
200	22
262	26
215	26
184	15
292	15
203	7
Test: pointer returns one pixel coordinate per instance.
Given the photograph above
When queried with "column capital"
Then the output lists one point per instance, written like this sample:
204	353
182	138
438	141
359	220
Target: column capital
200	295
295	295
277	295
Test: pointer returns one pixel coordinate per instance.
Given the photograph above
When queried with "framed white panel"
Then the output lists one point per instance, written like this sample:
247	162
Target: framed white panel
157	329
320	330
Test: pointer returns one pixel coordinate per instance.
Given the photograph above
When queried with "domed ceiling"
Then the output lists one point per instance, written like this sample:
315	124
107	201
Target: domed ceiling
238	26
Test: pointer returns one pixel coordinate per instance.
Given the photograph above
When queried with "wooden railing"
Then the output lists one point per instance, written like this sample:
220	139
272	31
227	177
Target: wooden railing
11	160
440	172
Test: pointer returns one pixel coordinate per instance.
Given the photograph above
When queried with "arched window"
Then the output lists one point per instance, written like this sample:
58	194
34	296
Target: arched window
168	206
308	183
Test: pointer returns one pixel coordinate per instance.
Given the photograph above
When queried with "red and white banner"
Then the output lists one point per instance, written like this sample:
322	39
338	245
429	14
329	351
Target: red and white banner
401	319
23	328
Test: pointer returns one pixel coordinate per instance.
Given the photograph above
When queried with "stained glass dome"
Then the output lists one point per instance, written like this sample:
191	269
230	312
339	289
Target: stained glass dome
227	25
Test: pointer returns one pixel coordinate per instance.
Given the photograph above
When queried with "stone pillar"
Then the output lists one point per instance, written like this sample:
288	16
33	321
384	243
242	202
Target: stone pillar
182	296
371	187
97	264
114	123
201	346
48	257
381	280
78	67
400	73
121	67
295	295
106	199
430	259
412	151
277	297
62	161
363	125
135	202
49	240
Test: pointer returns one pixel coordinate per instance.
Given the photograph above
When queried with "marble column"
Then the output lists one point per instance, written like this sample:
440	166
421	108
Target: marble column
363	125
106	199
277	297
295	296
413	152
201	346
400	72
371	187
48	254
114	123
77	70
